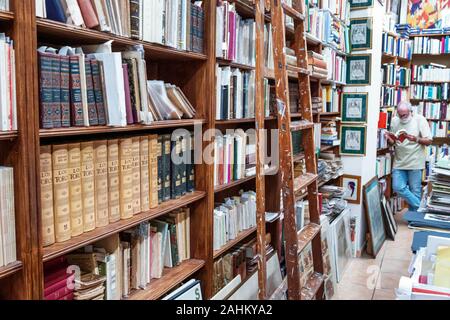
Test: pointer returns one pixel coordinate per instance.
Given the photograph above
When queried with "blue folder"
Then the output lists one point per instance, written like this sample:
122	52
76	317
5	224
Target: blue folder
421	238
417	219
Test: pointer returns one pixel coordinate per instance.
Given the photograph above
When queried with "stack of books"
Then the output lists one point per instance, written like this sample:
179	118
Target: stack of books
317	65
59	280
8	99
330	135
403	29
317	104
7	217
91	184
177	24
438	200
235	215
435	154
90	286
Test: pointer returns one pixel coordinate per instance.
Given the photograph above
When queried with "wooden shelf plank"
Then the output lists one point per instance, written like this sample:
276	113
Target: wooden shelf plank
304	181
63	32
444	120
306	235
61	132
8	135
224	62
59	249
291	12
242	236
10	269
301	125
232	184
6	16
299	157
170	279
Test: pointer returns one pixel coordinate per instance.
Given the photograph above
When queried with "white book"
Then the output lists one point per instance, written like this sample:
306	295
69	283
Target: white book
40	9
168	262
2	213
73	13
14	102
101	15
4	125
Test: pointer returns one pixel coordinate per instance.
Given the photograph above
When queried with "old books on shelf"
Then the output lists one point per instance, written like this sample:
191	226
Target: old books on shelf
383	165
178	24
317	65
8	100
432	72
7	217
91	184
99	89
331	98
330	136
394	75
234	216
438	200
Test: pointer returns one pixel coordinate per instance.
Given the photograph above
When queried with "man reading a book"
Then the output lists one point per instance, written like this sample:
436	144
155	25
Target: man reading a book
410	134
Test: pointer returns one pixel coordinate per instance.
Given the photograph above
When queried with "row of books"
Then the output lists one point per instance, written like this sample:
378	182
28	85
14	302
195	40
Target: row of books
427	45
433	110
7	217
236	93
234	216
235	36
317	65
8	99
381	139
339	8
241	262
103	89
431	72
178	23
331	98
400	47
235	157
440	129
115	268
393	96
392	74
89	185
337	66
430	91
383	165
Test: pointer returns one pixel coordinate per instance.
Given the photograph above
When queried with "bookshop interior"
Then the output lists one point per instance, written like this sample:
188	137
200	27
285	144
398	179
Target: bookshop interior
203	150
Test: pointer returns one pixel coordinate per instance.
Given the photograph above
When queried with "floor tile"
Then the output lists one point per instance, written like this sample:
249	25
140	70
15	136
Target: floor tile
383	294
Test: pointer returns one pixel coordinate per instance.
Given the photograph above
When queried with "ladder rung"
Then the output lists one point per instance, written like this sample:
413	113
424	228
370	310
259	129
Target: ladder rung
297	70
291	12
301	125
279	292
304	181
306	235
312	286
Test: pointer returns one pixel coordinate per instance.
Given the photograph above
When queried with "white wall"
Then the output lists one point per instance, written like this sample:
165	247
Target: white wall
366	166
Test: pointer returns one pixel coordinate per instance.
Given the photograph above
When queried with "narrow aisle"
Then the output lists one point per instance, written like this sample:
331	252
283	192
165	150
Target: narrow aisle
376	279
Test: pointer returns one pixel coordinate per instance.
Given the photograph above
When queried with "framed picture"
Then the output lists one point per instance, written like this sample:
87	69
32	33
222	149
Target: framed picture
360	4
358	69
353	140
341	241
354	107
352	186
361	33
390	223
374	215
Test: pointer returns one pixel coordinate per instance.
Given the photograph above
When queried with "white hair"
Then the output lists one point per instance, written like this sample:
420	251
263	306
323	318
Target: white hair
405	104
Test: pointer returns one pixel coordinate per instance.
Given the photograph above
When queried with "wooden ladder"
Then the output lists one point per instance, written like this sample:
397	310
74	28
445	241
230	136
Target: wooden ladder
296	242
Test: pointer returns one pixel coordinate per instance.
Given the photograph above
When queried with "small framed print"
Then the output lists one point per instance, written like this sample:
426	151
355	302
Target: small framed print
352	187
354	107
358	69
360	4
353	140
361	33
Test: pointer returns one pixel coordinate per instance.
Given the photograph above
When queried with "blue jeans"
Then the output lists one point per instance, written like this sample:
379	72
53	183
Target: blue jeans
408	185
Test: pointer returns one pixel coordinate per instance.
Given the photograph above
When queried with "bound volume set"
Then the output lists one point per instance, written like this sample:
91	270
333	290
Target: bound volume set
174	23
89	185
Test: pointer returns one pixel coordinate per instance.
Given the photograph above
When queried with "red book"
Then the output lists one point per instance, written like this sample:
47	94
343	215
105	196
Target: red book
55	277
68	297
57	263
130	119
382	123
88	12
58	285
60	293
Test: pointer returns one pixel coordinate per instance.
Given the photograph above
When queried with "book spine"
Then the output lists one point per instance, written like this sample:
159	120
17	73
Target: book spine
98	93
174	244
191	166
92	109
160	156
88	185
101	183
174	171
136	164
76	201
60	293
45	90
56	88
183	167
113	180
167	167
47	215
68	279
135	16
126	178
61	192
130	119
145	174
65	91
89	14
76	103
153	170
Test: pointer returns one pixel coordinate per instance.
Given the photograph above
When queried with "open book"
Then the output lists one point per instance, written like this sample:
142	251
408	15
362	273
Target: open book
399	136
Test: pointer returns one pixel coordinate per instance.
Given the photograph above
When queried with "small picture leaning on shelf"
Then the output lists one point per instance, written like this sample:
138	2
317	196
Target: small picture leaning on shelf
353	140
361	33
358	69
354	107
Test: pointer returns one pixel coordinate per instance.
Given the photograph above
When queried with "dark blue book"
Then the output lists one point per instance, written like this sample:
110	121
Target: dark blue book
55	10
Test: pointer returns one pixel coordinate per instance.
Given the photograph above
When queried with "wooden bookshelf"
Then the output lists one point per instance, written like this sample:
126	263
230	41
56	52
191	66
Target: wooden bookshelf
170	279
6	16
59	249
223	62
240	237
10	269
74	131
233	184
8	135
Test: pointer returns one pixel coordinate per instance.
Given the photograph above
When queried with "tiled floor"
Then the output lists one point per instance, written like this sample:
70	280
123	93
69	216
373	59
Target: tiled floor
377	279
